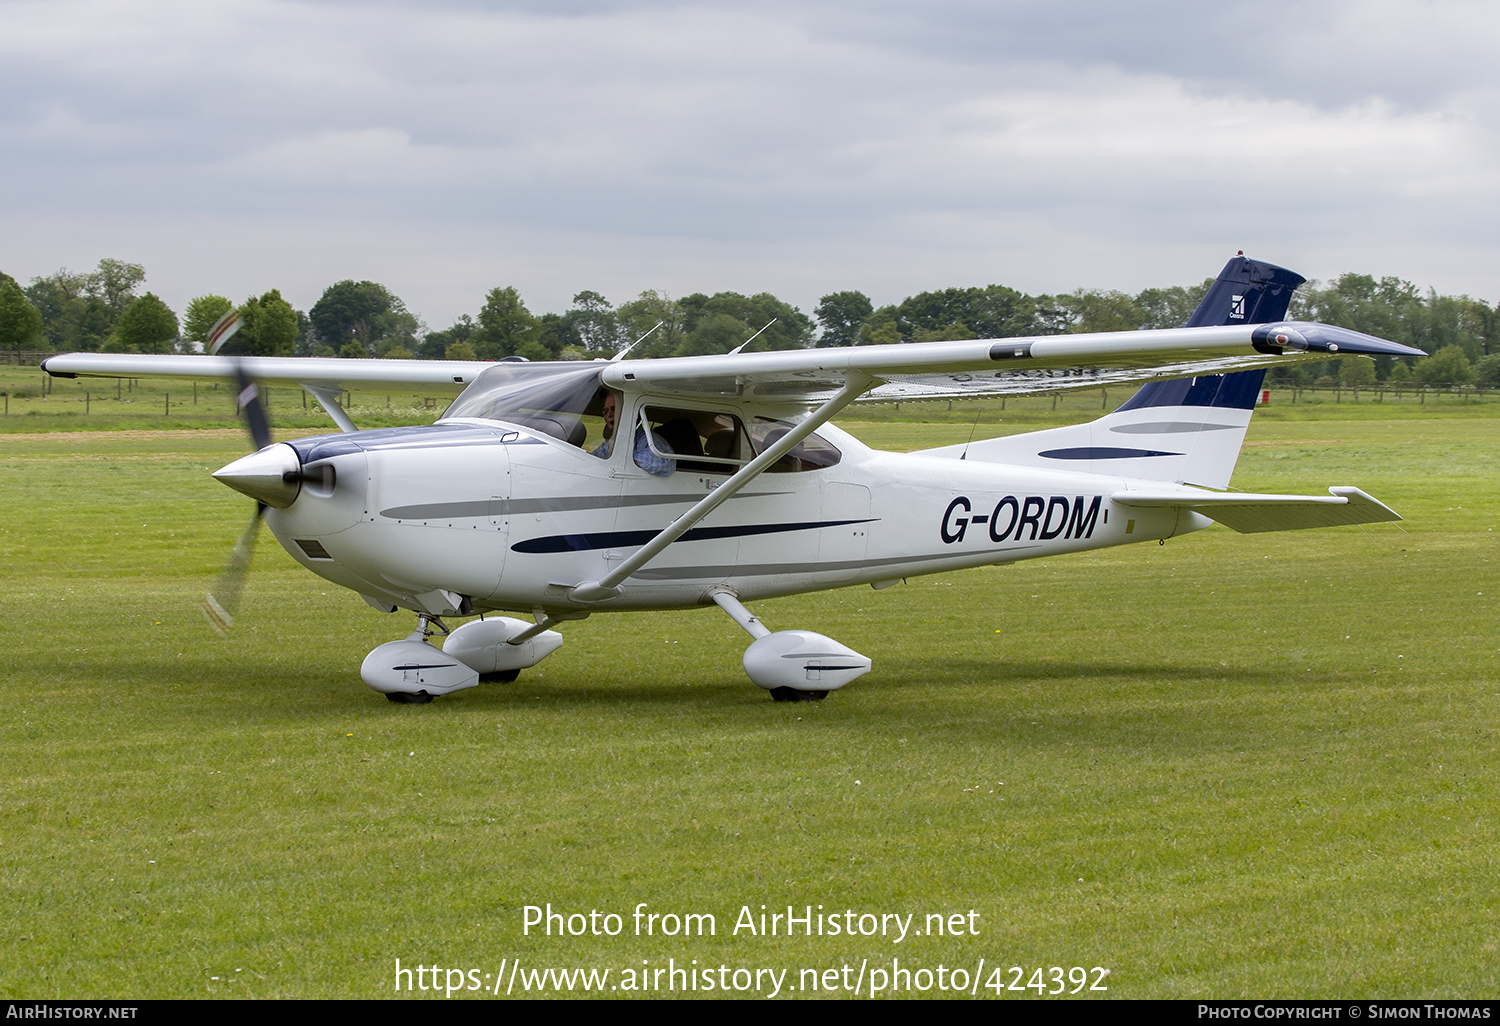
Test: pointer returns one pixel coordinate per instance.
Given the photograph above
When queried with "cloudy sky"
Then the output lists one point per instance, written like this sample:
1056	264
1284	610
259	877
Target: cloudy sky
446	147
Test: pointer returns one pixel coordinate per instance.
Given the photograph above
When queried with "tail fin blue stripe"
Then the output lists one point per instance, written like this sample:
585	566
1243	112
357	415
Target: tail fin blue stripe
1237	391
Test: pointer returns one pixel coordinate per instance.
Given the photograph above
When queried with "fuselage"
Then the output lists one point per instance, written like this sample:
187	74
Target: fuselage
510	518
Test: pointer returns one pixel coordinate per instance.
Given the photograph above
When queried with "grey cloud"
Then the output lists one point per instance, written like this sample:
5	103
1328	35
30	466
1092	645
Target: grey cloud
819	145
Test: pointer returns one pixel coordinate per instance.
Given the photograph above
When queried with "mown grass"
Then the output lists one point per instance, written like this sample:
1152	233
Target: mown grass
1229	766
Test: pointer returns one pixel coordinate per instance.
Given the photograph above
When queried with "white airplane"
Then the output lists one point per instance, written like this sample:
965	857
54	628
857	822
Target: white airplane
736	487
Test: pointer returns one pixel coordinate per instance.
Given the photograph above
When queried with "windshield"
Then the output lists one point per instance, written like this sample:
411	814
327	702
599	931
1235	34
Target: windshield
553	399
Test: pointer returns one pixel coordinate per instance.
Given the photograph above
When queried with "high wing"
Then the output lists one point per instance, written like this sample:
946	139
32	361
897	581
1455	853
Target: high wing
998	366
930	370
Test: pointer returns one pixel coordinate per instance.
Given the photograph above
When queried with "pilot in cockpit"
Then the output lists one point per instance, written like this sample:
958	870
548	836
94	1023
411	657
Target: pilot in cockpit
647	460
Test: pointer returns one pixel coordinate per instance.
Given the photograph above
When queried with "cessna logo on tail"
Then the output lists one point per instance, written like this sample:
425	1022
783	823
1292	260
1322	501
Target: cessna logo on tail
1046	517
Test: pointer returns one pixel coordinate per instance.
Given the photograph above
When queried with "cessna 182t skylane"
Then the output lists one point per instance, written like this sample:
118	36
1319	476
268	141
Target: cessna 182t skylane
734	486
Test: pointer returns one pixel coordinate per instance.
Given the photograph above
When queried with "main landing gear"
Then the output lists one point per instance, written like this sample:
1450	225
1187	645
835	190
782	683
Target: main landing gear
795	666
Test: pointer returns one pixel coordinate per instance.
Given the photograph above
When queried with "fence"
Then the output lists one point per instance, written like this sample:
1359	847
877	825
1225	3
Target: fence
22	358
1381	391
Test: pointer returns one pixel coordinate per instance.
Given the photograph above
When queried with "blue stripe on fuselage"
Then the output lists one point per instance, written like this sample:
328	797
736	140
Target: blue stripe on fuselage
611	539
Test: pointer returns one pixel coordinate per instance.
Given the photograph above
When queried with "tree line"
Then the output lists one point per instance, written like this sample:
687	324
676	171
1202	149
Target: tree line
105	310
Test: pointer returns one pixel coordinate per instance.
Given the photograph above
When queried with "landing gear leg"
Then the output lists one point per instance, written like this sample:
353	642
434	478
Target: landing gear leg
794	666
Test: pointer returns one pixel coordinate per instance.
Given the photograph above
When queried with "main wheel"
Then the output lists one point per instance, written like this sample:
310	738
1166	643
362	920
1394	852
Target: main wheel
500	676
407	698
793	695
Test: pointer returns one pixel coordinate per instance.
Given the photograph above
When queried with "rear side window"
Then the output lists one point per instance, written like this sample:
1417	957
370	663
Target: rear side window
812	453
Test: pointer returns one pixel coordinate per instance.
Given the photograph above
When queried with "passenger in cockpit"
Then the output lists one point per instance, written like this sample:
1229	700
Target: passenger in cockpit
647	460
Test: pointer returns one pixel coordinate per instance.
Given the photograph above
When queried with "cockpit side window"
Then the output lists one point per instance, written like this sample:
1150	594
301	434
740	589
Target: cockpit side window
702	441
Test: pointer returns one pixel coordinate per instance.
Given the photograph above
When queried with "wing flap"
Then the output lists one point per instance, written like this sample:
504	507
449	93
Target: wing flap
1250	513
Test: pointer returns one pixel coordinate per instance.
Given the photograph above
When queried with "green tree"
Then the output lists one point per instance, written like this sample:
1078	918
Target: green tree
533	350
79	309
435	344
715	333
880	328
505	325
461	351
706	330
952	333
147	326
1357	372
593	323
85	324
1095	310
400	329
993	311
270	328
115	282
641	314
841	315
1487	370
359	311
53	295
1447	366
1170	307
20	321
202	313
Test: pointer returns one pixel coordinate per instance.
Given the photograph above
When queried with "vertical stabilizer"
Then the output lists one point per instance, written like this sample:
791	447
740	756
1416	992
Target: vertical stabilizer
1246	292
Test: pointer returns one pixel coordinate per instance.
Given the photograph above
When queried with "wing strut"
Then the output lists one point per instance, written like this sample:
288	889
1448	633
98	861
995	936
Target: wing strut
608	586
328	398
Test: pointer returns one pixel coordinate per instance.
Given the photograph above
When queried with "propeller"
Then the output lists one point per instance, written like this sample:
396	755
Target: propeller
221	604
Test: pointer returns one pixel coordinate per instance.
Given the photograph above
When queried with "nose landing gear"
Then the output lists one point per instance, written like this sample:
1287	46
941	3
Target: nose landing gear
413	671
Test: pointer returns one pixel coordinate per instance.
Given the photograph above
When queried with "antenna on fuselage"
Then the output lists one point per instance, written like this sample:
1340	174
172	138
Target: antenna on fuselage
621	354
752	338
965	454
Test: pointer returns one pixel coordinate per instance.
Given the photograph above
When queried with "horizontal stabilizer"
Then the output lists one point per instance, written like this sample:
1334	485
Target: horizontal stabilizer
1251	514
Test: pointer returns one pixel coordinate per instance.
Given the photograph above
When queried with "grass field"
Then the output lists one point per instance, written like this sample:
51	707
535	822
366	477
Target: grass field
1229	766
